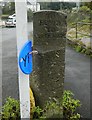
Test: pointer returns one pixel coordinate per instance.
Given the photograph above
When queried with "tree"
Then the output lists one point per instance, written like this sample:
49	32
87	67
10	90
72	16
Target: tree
44	5
29	15
12	7
50	5
9	8
57	5
88	4
5	9
68	5
54	5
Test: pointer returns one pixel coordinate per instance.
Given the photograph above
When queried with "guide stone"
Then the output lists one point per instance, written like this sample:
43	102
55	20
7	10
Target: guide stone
49	39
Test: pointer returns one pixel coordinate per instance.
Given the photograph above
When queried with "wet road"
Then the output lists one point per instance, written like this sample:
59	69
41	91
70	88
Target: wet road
77	79
77	72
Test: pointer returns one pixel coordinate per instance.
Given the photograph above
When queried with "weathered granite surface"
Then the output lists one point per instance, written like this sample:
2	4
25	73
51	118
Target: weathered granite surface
49	38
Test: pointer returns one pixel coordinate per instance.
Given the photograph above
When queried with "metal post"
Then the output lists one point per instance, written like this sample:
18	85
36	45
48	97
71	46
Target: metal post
0	61
76	31
36	5
22	38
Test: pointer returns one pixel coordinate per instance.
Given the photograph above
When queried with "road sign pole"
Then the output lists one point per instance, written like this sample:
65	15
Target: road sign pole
22	38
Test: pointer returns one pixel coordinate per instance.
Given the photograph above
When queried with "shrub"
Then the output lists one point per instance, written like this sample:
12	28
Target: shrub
91	56
69	106
10	110
63	108
84	8
81	43
53	109
37	112
83	50
87	52
78	48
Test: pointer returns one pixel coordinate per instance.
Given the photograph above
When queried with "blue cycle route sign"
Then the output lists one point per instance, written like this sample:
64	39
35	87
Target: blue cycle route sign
25	58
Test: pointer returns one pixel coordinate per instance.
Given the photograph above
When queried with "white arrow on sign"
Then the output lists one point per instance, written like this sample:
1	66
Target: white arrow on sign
22	38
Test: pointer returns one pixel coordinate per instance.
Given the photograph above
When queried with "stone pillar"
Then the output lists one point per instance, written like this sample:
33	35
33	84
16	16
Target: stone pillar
49	39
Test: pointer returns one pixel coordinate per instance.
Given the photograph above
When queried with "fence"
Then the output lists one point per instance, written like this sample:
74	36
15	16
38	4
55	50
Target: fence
78	32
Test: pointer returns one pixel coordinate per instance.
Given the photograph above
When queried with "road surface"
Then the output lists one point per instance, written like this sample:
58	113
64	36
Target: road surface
77	72
77	78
